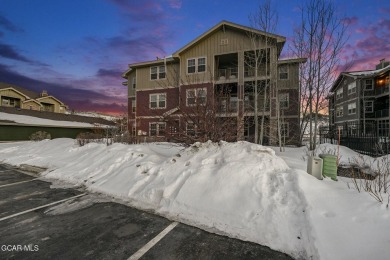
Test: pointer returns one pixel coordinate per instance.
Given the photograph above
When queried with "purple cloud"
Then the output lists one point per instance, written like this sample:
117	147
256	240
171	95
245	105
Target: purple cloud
111	73
75	94
7	51
373	46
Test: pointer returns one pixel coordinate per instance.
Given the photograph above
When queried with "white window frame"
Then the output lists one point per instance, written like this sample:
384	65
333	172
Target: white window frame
287	100
158	128
352	88
158	97
339	111
192	128
339	93
372	106
372	84
159	70
134	83
195	96
352	108
196	65
283	72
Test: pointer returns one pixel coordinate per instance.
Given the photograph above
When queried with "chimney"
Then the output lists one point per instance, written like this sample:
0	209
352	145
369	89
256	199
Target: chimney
44	93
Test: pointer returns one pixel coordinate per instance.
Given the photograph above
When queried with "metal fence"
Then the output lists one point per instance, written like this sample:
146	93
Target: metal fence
365	139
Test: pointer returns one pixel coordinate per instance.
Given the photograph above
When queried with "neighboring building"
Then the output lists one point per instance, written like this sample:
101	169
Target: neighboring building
359	101
218	58
15	96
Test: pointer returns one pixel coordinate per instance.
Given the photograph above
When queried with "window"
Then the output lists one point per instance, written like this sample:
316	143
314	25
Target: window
157	101
190	129
284	100
157	129
161	72
369	84
369	106
157	72
133	105
196	96
352	88
153	73
133	83
196	65
339	111
339	93
201	64
191	66
284	129
283	72
352	108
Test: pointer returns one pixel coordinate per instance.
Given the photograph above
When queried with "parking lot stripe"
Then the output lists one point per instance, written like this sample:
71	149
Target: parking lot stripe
15	183
40	207
152	242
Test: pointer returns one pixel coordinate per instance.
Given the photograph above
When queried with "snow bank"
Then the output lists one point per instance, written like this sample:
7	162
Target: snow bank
239	189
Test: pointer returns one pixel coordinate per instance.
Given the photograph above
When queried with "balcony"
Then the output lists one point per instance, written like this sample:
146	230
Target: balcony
228	73
382	113
382	90
249	104
251	71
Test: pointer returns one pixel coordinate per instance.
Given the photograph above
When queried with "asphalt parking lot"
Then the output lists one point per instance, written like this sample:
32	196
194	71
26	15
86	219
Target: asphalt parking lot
40	222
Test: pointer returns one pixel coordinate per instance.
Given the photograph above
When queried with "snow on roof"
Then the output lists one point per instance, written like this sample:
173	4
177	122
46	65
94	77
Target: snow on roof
30	120
368	72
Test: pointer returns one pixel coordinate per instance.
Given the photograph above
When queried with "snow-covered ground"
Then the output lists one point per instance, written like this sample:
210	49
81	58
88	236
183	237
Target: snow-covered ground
31	120
239	189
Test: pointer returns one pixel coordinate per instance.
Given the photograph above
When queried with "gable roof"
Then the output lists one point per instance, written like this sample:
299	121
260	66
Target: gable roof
23	91
52	98
359	74
226	24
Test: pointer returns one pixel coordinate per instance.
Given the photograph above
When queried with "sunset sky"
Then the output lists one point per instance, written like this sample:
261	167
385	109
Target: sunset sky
78	49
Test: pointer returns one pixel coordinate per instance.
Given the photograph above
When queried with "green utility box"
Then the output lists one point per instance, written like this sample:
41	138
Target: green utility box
329	166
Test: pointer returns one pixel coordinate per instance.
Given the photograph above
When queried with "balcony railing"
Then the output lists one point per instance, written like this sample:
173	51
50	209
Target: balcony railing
381	90
261	71
382	113
228	73
249	106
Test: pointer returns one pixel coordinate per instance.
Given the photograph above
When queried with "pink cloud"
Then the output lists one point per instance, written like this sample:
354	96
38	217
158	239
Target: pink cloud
371	45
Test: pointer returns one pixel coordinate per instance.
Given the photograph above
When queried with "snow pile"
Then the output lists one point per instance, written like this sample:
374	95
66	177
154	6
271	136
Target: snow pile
31	120
239	189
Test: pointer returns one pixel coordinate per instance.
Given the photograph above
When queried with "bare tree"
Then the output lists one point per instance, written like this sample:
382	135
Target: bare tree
265	19
204	113
320	37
